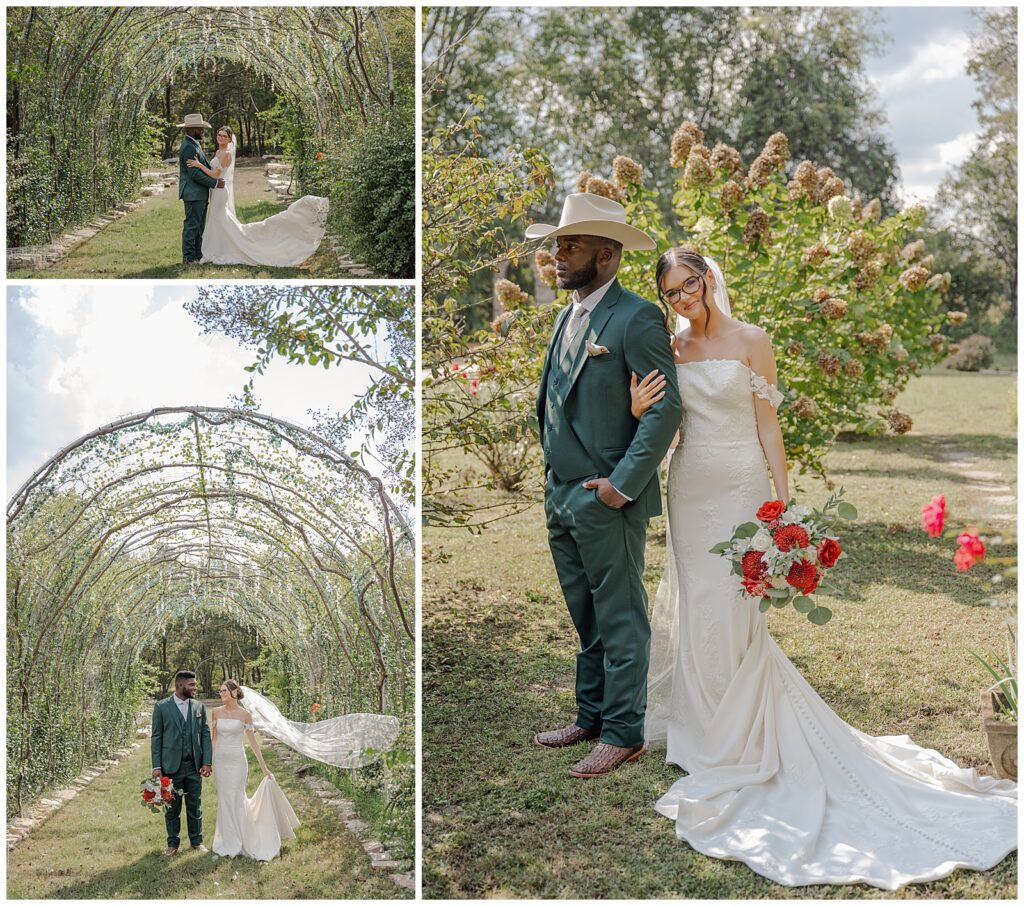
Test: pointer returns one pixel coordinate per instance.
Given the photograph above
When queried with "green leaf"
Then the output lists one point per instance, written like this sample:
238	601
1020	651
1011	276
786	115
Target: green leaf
778	593
721	547
802	604
846	511
764	605
820	616
746	530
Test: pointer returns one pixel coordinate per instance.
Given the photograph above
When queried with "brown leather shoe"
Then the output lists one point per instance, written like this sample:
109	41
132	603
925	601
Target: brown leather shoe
199	848
564	736
171	851
604	759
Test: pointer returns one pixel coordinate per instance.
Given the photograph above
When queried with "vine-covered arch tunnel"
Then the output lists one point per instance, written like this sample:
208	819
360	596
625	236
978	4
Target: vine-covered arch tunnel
185	511
79	80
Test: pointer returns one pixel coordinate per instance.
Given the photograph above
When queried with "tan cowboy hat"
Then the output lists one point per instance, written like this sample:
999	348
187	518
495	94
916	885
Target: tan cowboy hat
194	121
586	214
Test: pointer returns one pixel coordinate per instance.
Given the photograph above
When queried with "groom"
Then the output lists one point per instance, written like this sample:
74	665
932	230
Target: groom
182	750
601	466
194	187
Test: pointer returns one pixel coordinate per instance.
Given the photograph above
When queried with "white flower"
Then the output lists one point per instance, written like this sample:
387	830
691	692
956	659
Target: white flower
795	514
704	225
840	208
761	541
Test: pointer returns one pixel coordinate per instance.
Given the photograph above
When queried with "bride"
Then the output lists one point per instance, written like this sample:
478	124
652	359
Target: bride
256	827
774	777
285	239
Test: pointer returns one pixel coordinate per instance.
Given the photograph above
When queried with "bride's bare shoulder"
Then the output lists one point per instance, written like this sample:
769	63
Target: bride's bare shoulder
679	340
751	336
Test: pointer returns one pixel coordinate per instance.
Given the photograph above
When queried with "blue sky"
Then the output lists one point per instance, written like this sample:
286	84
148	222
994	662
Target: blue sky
79	356
924	88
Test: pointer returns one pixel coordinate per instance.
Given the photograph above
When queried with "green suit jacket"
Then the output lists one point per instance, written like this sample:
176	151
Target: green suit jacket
168	729
593	429
193	183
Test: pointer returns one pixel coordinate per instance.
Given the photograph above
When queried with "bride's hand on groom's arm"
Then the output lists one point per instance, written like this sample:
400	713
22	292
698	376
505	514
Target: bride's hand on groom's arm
644	394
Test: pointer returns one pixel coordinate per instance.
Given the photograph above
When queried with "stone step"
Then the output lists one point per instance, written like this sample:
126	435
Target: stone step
386	865
408	881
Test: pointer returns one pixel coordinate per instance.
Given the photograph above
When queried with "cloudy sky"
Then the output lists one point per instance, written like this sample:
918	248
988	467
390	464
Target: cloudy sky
81	356
923	85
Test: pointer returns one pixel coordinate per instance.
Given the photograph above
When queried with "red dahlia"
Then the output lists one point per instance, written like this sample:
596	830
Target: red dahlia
828	553
803	575
790	537
753	566
148	795
771	509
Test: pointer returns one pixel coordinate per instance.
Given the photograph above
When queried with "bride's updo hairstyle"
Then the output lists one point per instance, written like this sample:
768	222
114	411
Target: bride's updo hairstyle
693	260
234	689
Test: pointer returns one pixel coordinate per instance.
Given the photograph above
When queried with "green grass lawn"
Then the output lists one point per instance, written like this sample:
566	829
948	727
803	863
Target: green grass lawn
104	845
146	244
501	816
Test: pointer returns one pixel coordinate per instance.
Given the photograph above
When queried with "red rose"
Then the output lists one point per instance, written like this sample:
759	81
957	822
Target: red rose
148	795
753	566
972	544
790	537
165	781
933	516
803	575
167	796
828	553
771	509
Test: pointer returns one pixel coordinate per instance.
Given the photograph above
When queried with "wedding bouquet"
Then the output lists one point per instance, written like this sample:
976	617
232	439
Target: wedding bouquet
158	793
785	556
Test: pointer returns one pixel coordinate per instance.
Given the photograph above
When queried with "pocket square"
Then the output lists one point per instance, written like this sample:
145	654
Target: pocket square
593	349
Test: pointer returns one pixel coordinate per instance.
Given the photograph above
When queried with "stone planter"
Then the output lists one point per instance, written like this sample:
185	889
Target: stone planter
1002	738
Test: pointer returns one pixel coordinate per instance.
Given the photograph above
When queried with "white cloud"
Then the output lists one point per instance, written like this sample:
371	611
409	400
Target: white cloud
941	59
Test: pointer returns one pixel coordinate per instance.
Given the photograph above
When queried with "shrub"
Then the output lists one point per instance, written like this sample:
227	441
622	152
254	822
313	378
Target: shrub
971	354
374	208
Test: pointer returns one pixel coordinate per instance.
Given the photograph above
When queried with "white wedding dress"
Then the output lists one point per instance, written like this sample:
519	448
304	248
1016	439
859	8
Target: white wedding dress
246	827
775	778
285	239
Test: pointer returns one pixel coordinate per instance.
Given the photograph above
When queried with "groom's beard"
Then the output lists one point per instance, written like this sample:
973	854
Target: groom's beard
581	277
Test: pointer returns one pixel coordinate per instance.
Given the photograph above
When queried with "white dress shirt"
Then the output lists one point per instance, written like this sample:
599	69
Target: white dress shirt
182	704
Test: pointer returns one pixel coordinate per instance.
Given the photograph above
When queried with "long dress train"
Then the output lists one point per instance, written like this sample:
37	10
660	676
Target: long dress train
775	778
246	827
285	239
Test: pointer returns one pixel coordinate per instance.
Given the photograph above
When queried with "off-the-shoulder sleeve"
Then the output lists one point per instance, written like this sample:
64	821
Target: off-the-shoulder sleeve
766	391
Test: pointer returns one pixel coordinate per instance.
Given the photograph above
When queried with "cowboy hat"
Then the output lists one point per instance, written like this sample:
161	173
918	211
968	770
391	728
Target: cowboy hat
194	121
586	214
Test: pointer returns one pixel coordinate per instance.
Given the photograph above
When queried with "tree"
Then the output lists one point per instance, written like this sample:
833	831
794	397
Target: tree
980	197
328	325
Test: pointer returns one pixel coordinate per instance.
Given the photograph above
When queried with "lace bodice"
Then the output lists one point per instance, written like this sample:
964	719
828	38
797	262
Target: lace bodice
718	405
231	731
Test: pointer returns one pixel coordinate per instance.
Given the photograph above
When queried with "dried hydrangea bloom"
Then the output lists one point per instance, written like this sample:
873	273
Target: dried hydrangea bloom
947	282
927	262
730	196
805	407
900	354
954	348
805	178
859	245
626	171
853	368
756	227
815	254
872	212
889	393
956	317
857	206
509	294
760	171
698	170
840	208
912	249
685	137
902	371
725	157
584	178
604	187
900	422
914	278
868	275
820	295
834	309
937	342
543	257
549	275
829	363
776	149
831	187
885	332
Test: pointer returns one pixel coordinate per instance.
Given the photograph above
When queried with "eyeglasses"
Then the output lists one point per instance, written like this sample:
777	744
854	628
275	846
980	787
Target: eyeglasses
689	287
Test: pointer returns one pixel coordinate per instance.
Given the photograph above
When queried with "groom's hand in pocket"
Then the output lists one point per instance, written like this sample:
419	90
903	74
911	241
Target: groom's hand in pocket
606	493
